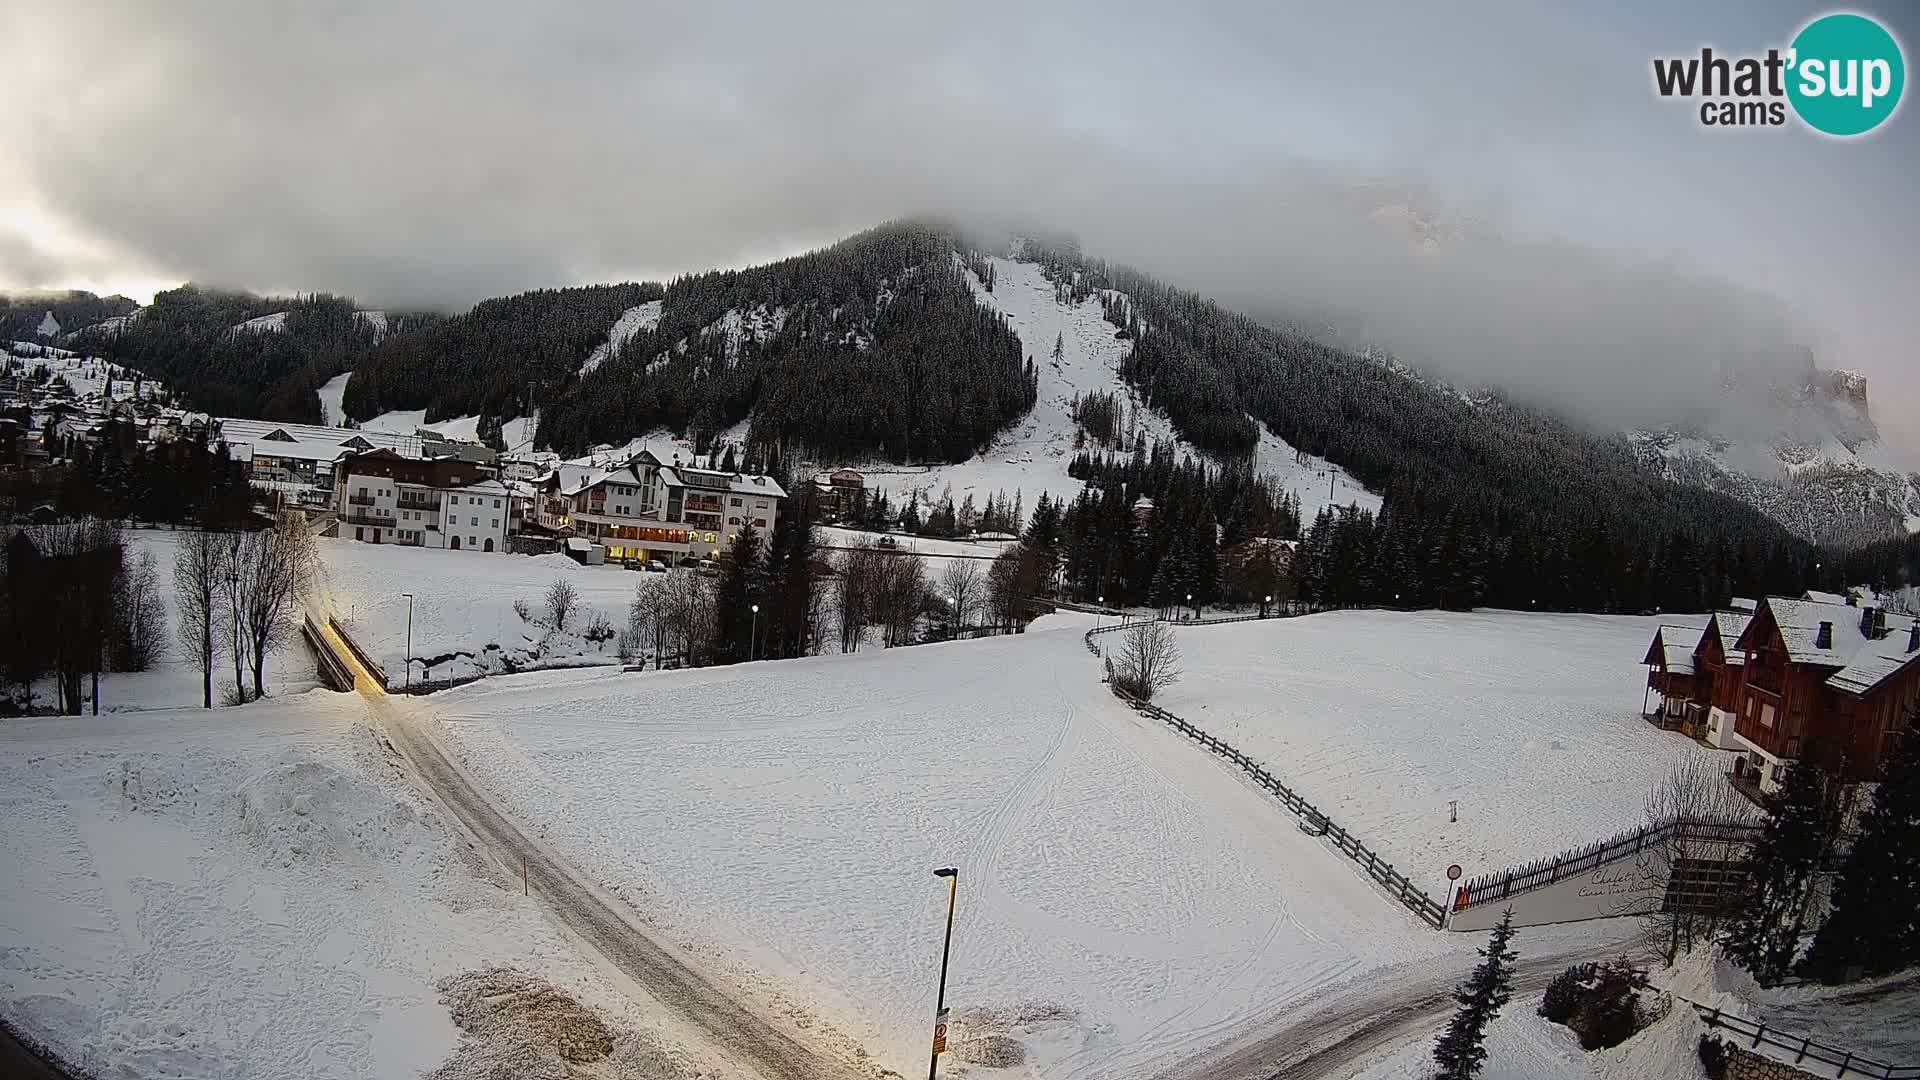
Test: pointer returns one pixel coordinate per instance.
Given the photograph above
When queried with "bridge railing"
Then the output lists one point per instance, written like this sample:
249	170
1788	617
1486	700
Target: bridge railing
1845	1063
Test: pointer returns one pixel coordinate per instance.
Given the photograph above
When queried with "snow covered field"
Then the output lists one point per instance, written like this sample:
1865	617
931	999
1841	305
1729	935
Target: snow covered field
1382	718
172	682
1033	454
1124	902
88	374
463	603
249	893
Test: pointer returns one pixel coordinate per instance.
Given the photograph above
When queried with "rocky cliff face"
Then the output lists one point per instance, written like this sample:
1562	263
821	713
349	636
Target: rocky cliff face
1801	446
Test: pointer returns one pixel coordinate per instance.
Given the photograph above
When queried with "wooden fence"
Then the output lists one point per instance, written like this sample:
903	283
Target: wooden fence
1312	819
1498	886
1844	1062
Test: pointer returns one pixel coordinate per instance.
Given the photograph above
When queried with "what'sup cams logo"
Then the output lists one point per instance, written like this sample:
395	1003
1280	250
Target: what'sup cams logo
1842	76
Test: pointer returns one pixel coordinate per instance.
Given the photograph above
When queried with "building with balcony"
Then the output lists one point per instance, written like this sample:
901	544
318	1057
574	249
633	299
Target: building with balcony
386	498
644	510
1823	678
298	460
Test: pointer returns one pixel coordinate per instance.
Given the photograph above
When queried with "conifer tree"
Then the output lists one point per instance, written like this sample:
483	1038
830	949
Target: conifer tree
1802	819
1462	1047
737	591
1873	928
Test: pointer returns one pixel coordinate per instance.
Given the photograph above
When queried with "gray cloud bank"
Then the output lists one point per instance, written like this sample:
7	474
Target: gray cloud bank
1589	237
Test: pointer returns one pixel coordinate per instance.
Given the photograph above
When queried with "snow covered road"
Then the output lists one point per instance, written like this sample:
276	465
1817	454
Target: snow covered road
658	969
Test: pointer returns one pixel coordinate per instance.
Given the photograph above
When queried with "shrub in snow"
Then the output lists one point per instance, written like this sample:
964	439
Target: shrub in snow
599	630
1148	660
1714	1056
562	599
1605	1004
520	608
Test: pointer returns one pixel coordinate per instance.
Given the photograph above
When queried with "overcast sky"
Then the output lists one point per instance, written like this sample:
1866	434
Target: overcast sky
1598	248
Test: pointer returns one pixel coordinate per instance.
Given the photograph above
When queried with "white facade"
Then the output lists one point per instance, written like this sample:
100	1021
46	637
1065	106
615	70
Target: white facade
380	510
643	511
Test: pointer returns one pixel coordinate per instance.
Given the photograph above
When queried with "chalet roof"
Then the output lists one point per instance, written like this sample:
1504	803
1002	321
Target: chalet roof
1799	622
1875	662
1730	625
1672	648
1741	603
1819	597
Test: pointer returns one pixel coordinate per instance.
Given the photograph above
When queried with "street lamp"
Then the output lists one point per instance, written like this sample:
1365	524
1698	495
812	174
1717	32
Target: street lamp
753	641
1100	617
1265	603
952	874
407	680
1196	611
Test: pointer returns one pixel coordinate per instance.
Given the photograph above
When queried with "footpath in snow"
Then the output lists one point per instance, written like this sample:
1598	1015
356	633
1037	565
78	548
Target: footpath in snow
1528	722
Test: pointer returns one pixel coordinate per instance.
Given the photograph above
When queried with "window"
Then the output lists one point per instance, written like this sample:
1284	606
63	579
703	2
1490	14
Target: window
734	502
760	523
454	499
471	541
759	504
496	523
1766	716
733	521
496	504
362	492
475	521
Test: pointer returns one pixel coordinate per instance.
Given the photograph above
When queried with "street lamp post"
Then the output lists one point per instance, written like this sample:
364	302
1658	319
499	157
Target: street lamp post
1100	617
753	641
1265	603
1196	611
952	874
407	680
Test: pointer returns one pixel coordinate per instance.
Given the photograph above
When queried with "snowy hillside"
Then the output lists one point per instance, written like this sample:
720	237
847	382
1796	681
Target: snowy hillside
1033	454
1123	903
1802	447
635	319
88	374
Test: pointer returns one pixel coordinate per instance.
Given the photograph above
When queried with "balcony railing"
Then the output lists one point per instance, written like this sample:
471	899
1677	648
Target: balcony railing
360	500
384	521
417	503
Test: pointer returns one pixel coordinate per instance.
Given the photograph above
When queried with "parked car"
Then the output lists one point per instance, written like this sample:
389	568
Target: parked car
888	541
707	568
655	566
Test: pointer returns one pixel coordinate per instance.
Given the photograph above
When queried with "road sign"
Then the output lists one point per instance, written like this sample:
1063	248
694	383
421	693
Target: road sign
1453	872
940	1033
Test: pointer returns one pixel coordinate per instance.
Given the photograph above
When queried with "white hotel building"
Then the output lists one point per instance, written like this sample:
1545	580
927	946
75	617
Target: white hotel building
645	510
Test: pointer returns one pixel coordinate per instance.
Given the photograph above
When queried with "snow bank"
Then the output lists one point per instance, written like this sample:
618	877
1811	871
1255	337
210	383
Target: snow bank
1531	723
302	810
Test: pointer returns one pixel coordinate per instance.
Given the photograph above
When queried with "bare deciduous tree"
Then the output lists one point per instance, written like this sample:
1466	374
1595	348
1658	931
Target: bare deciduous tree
267	574
900	597
686	617
140	633
562	599
962	583
198	569
1695	795
854	589
1148	661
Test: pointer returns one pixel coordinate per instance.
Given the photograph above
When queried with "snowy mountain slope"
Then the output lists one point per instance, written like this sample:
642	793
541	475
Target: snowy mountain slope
1033	454
331	414
1803	449
635	319
277	322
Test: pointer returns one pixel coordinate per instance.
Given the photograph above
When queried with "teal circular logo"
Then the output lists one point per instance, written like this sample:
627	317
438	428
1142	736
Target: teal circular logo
1845	74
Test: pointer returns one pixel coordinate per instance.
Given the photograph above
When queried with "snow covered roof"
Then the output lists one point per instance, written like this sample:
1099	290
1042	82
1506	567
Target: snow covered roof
1741	603
1875	662
579	543
1823	597
1799	622
1674	645
1730	625
481	487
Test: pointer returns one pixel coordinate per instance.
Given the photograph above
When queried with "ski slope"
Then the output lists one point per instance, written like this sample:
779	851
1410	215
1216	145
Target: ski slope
1033	454
635	319
1383	718
331	391
88	374
1123	902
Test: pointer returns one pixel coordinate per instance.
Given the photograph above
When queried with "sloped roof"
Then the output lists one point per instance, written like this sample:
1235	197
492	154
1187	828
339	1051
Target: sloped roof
1730	625
1673	648
1875	662
1819	597
1799	622
1741	603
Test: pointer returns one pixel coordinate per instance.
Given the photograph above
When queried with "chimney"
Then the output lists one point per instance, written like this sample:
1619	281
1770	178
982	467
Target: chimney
1867	623
1824	638
1913	637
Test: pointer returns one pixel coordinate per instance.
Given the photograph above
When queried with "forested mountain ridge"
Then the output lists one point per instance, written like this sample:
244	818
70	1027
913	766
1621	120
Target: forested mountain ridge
23	314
